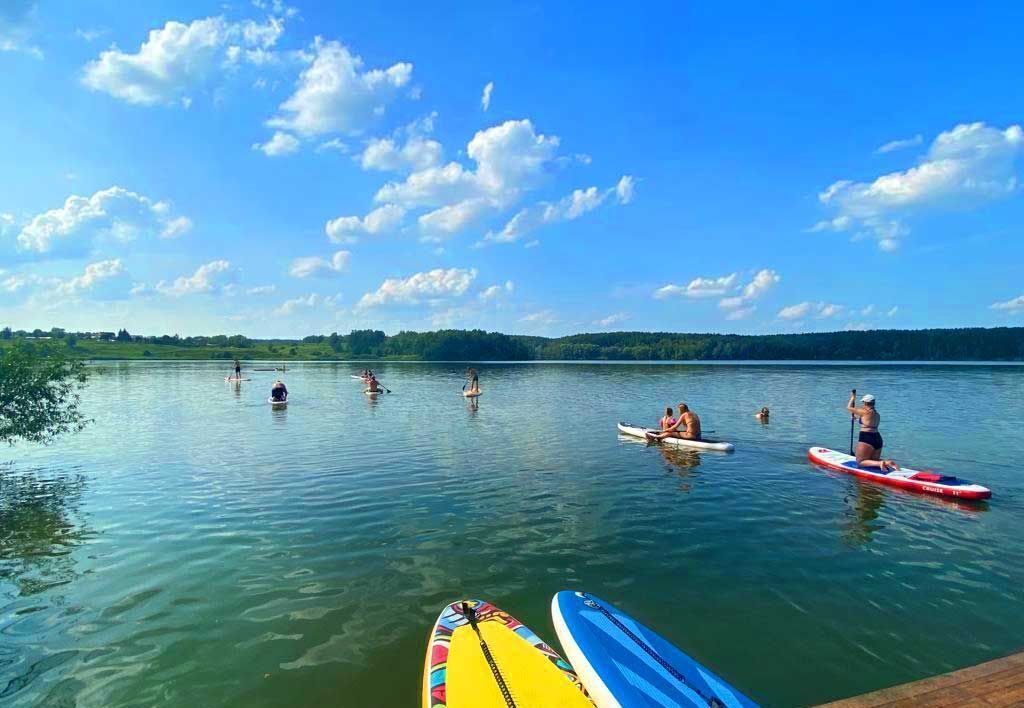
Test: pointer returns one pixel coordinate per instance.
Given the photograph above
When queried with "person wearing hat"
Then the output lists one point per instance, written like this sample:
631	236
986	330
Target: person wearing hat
869	444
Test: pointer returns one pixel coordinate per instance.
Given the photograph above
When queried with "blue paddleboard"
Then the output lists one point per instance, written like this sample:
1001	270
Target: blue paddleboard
623	663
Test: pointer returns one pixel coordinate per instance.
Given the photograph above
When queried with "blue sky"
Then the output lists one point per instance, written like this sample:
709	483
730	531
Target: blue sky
282	169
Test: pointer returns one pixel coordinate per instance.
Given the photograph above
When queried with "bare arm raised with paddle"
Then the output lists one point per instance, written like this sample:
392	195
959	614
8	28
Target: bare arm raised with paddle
869	444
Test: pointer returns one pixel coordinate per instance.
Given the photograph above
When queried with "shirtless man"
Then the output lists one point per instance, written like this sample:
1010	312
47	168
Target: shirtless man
687	426
869	444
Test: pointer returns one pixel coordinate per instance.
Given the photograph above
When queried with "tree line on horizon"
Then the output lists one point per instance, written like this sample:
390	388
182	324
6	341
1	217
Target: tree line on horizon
964	344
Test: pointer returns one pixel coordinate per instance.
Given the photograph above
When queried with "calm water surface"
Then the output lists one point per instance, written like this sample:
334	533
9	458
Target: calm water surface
194	547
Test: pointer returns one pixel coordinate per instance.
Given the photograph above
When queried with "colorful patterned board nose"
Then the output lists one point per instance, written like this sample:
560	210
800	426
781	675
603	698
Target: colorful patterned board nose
493	661
623	663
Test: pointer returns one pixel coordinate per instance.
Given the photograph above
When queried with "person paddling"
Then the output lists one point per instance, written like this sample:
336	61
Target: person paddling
474	381
869	443
279	392
238	370
373	386
687	426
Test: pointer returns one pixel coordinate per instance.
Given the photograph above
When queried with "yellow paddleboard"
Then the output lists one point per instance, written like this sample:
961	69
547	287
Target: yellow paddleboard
482	657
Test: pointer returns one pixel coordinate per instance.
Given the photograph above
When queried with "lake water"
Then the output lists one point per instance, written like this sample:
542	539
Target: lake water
195	547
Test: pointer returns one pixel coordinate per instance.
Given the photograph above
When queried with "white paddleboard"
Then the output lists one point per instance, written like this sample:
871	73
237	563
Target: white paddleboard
638	431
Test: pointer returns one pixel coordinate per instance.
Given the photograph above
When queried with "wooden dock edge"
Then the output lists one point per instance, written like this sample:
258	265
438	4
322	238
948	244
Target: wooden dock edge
995	683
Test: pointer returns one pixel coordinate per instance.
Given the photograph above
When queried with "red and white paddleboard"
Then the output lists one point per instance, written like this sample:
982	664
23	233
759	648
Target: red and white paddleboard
905	478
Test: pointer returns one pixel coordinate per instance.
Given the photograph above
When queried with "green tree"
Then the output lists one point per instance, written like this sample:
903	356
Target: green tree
5	333
39	395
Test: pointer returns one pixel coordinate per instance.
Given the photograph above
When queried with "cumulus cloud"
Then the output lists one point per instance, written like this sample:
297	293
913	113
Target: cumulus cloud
966	166
289	307
280	143
114	213
261	290
569	208
335	145
452	218
177	58
741	313
335	94
1013	305
94	275
418	153
436	284
485	97
820	310
612	320
495	291
699	287
206	279
317	266
510	159
347	229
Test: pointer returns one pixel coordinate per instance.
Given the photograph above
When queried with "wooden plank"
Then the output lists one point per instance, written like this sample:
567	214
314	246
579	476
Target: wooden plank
994	683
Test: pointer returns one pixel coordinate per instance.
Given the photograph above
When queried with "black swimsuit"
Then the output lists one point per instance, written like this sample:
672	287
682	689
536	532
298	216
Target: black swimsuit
874	439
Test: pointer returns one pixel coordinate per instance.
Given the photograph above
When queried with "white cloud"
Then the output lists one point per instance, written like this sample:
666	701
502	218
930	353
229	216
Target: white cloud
612	320
495	291
19	281
542	317
95	273
346	229
206	279
964	167
510	158
335	95
867	311
311	301
436	284
178	57
418	153
452	218
1014	305
894	145
892	311
571	207
820	310
317	266
856	327
261	290
625	188
280	144
485	97
763	281
334	144
795	312
115	213
699	287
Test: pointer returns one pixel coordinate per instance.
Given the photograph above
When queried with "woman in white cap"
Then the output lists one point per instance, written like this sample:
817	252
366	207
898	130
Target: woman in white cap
869	444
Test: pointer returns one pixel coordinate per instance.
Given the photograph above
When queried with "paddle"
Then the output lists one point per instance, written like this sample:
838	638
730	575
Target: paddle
853	420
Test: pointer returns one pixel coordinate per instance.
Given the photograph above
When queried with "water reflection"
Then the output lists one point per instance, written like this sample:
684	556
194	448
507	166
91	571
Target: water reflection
863	506
41	522
682	462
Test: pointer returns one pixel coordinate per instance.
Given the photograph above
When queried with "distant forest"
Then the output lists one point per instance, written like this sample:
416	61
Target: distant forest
969	344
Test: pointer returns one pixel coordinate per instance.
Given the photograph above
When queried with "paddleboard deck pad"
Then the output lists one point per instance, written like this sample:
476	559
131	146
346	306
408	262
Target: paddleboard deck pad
623	663
905	478
479	656
638	431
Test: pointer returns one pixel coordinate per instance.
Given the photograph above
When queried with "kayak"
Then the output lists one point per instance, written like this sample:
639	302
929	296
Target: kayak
472	394
277	404
905	478
623	663
638	431
481	657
